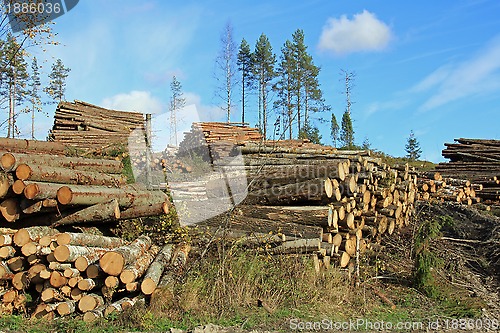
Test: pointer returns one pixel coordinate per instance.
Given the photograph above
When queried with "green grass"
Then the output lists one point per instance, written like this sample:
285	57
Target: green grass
224	288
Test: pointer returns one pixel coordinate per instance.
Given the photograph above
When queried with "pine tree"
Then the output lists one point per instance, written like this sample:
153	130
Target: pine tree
14	78
34	95
264	61
245	65
347	131
412	147
334	130
284	88
57	85
177	102
366	144
298	88
311	133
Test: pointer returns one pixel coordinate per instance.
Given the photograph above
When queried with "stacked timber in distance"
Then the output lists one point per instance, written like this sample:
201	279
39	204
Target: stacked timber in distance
86	126
434	187
475	160
214	140
308	198
81	274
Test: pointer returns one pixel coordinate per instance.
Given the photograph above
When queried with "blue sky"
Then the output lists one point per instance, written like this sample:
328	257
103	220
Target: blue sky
429	66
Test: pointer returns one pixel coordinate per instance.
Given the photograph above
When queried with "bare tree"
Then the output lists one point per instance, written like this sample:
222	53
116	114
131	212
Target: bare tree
226	70
176	102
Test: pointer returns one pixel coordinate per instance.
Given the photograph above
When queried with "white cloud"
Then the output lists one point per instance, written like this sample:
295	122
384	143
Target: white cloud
206	112
363	33
478	76
138	101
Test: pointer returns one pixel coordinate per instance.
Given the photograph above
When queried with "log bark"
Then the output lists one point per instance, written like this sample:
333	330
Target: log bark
106	211
84	239
44	173
269	226
25	235
308	191
135	270
113	262
90	195
145	210
69	253
10	161
21	145
40	190
155	270
298	246
307	215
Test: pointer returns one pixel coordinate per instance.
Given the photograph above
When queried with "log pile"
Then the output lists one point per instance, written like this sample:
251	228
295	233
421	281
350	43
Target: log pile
316	199
213	140
86	126
43	192
77	273
477	161
42	189
434	187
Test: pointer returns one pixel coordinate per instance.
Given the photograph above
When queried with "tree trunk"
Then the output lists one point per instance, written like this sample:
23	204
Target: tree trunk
298	246
25	235
90	195
308	215
10	209
83	239
90	302
21	146
106	211
10	161
134	270
155	270
145	210
69	253
40	191
44	173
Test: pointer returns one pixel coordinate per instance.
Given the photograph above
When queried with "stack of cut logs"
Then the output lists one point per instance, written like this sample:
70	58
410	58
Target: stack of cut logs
212	140
307	199
42	189
434	187
83	125
81	273
476	160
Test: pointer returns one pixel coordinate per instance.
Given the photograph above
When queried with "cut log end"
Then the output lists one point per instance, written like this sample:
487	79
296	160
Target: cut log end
148	286
18	187
7	161
23	172
112	263
61	253
64	195
31	191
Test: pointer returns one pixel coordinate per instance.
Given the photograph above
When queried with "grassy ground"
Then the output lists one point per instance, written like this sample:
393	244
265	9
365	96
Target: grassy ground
235	286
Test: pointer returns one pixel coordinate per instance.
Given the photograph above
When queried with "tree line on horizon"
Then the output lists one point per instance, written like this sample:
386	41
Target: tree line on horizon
283	92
